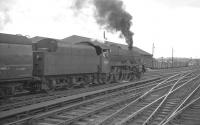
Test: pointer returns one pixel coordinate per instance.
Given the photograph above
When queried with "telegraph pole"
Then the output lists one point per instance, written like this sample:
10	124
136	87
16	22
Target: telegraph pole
153	47
172	57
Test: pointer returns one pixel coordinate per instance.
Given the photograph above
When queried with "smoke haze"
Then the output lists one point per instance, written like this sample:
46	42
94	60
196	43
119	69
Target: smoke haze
111	15
5	6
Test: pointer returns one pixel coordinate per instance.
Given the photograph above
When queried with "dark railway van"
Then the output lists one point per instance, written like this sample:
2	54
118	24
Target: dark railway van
15	62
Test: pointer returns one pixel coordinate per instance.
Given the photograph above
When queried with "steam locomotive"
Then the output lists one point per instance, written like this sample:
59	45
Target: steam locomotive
51	64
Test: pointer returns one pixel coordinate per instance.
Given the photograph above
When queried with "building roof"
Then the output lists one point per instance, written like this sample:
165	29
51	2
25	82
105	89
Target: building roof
38	38
77	39
14	39
123	46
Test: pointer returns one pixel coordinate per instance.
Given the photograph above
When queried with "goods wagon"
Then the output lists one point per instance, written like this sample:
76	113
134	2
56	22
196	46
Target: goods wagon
15	63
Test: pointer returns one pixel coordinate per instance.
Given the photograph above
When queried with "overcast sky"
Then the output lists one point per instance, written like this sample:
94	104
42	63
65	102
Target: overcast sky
166	23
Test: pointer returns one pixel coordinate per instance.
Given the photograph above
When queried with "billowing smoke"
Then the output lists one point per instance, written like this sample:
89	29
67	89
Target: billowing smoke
111	15
5	6
79	4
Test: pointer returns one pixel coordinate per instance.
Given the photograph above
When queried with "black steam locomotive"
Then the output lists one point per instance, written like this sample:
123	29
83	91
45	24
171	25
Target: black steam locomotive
51	64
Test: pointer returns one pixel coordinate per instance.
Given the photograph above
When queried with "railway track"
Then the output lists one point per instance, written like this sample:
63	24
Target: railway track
188	115
172	102
43	98
29	96
16	102
188	112
73	99
138	91
19	115
158	111
73	114
138	104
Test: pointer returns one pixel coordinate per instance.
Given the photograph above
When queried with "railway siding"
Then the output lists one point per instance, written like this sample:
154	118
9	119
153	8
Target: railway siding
188	115
130	111
48	105
134	106
102	103
162	108
141	115
172	101
104	109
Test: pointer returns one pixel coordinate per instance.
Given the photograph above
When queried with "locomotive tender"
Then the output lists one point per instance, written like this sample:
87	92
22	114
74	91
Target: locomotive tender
56	64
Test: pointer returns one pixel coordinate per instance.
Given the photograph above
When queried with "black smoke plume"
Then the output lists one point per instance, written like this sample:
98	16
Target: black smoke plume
111	15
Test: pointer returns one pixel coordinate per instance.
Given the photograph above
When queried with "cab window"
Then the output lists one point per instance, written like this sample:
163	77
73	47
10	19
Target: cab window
106	52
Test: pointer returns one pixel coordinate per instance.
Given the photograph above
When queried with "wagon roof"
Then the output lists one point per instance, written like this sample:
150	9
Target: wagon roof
39	38
14	39
75	39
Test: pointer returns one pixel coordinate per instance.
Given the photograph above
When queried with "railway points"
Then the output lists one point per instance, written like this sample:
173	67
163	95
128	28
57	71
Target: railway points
134	106
57	102
101	92
29	114
19	101
78	97
188	115
158	111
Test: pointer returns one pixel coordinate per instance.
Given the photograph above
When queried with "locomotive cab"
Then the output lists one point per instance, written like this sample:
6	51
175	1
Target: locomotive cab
104	61
103	52
106	52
